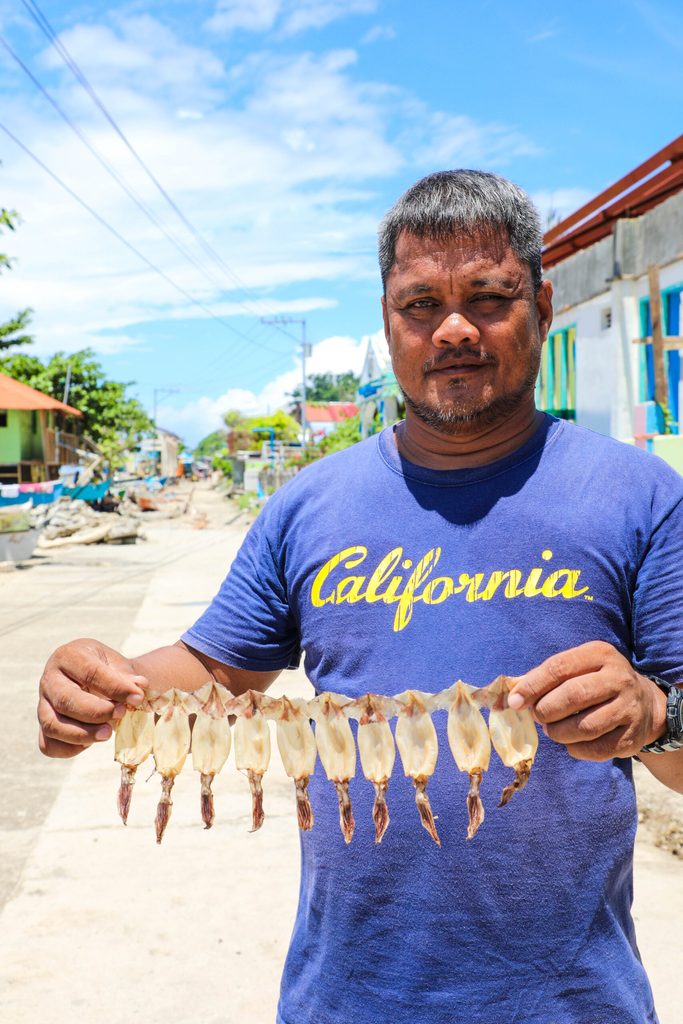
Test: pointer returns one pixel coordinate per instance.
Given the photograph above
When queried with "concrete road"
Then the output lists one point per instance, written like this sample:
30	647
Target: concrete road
101	923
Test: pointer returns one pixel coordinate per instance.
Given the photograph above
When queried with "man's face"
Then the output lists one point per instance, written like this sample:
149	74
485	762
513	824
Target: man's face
464	328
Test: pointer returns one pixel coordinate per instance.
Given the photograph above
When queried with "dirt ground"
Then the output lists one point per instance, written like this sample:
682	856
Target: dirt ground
82	898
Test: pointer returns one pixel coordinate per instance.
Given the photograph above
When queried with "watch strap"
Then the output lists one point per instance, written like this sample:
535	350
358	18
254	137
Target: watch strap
672	738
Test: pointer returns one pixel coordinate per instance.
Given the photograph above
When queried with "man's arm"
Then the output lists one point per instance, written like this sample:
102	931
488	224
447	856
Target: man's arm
86	685
593	701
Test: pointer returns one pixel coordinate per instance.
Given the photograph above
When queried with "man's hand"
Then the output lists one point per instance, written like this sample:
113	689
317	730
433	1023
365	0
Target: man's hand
593	701
83	687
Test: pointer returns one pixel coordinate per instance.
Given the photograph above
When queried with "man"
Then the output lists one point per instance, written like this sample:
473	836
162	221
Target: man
477	537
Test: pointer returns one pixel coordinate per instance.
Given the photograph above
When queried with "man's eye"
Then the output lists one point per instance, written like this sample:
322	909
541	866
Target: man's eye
421	304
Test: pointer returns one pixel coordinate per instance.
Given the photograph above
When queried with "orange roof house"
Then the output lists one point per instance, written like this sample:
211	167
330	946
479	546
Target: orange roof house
33	441
323	417
15	395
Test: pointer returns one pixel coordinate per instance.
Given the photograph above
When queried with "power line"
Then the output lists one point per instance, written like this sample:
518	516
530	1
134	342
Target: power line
129	245
107	166
41	20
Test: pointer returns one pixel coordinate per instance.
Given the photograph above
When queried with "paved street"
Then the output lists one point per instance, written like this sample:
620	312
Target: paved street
101	923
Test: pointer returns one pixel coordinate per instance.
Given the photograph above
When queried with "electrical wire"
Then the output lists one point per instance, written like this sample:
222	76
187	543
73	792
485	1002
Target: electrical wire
107	167
41	20
129	245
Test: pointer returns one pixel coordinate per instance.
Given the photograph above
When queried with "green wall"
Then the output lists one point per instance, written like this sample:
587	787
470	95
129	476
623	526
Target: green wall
10	437
18	440
31	437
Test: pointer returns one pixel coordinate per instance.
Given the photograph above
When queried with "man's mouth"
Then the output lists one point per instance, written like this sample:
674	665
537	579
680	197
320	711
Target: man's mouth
452	365
459	369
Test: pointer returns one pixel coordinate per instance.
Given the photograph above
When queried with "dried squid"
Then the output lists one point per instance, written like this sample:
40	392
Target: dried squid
419	747
337	753
252	747
210	741
513	734
298	751
470	743
170	748
132	746
377	751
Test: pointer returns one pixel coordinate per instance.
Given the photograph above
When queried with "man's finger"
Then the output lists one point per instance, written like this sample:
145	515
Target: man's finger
586	726
67	698
92	670
556	670
575	695
616	743
67	730
54	748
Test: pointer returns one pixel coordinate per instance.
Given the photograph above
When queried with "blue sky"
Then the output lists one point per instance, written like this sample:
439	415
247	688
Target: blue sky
282	130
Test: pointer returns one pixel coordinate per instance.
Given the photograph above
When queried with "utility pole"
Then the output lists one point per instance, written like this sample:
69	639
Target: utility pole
305	351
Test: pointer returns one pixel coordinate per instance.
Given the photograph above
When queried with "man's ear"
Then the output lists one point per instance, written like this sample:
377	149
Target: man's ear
544	307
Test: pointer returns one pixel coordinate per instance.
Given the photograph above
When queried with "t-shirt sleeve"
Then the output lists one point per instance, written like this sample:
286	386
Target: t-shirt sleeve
249	624
658	596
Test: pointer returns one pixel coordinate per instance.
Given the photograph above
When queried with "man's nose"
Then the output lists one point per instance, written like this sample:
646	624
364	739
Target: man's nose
455	329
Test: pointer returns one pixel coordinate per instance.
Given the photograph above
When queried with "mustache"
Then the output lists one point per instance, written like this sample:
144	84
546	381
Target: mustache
473	352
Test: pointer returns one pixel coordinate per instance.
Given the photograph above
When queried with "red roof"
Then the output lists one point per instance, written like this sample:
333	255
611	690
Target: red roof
330	412
637	192
15	395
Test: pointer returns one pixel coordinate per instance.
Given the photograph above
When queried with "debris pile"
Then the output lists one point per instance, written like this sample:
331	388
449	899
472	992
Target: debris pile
75	522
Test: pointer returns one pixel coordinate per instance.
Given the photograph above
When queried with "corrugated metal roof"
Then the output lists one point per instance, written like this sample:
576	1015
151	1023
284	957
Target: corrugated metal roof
15	395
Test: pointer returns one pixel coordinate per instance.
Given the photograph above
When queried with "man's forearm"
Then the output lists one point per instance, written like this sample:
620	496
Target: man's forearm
667	768
185	668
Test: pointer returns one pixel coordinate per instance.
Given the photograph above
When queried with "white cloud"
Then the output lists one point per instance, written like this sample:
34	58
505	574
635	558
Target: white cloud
377	33
277	162
456	140
305	14
288	16
143	55
201	416
249	15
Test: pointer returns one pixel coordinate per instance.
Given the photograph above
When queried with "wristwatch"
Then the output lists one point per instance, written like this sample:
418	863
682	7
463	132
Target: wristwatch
672	738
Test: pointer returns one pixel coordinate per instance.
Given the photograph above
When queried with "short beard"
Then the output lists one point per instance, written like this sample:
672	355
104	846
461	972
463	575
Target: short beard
452	417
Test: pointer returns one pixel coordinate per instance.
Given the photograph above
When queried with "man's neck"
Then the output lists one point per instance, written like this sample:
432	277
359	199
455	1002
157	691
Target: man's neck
424	446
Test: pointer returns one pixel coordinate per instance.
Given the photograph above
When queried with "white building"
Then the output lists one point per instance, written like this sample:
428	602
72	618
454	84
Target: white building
603	261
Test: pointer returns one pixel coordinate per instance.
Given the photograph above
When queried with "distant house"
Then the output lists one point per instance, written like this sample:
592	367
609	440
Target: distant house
323	417
37	433
379	395
158	455
613	358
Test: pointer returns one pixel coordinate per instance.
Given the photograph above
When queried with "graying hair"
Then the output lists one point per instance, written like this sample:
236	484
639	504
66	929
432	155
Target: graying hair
449	203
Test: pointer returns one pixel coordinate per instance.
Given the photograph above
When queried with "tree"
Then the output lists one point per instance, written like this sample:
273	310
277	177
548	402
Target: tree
209	445
344	435
11	332
241	429
285	426
111	419
328	387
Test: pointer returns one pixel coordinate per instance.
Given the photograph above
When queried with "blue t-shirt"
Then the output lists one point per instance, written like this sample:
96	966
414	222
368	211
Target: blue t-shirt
390	576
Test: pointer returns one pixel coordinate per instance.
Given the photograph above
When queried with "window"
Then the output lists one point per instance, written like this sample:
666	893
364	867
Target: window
671	317
3	418
556	384
34	421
